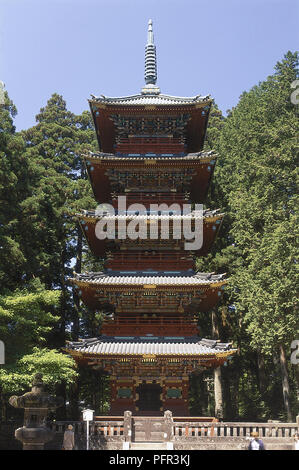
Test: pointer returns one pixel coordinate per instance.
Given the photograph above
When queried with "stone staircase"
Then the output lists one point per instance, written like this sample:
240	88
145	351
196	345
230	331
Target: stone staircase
148	446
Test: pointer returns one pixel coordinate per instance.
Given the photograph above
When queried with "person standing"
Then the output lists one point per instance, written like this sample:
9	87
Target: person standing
256	443
296	437
69	438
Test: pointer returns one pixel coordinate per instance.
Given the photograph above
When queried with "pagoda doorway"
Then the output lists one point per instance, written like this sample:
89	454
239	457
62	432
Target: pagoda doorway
149	398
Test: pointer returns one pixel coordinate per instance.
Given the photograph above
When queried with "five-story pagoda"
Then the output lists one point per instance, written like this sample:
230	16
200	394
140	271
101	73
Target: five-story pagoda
149	169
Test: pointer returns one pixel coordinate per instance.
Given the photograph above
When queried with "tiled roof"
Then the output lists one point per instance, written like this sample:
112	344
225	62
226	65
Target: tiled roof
207	213
189	156
149	277
148	99
150	345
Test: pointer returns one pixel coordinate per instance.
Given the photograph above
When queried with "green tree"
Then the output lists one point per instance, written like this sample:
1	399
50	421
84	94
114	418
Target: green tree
42	184
13	188
259	148
54	243
27	318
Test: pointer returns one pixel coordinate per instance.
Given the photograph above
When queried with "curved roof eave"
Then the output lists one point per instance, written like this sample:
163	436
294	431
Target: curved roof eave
150	99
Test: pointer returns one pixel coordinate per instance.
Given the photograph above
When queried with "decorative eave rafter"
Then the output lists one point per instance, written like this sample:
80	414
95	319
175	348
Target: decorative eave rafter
102	158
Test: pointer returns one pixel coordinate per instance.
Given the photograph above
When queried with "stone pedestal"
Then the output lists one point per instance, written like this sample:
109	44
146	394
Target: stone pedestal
37	403
34	438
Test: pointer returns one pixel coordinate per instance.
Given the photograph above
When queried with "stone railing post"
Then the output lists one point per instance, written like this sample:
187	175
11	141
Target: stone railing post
168	429
127	428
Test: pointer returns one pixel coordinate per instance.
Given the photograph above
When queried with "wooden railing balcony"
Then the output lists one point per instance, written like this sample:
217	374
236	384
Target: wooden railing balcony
156	148
146	264
153	197
149	255
149	140
140	325
141	320
143	260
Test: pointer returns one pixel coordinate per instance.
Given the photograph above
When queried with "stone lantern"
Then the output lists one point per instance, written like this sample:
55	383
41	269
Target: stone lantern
34	433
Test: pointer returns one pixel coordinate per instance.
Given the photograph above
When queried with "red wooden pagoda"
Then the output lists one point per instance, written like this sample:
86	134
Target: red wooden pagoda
150	294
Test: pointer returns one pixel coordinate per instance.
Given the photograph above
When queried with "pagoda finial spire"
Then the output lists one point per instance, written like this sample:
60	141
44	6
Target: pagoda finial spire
150	33
150	74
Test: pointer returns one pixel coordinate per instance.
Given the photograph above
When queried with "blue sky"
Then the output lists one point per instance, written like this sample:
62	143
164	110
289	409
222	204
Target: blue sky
78	47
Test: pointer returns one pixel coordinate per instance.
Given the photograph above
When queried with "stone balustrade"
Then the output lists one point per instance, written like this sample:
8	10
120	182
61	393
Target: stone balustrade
186	429
96	428
194	429
194	433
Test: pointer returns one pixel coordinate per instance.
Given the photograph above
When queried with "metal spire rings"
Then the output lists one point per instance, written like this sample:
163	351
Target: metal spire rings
150	57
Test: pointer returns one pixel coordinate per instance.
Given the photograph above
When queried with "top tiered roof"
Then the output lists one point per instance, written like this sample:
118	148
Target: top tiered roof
150	93
111	113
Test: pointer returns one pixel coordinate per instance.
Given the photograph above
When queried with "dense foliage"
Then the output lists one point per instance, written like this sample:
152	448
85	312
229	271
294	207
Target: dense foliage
255	182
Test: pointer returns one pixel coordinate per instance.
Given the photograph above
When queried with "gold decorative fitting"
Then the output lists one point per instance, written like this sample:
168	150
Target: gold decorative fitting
149	286
201	105
150	162
149	356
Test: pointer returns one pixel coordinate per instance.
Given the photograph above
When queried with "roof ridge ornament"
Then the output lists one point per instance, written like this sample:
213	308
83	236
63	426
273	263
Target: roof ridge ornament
150	73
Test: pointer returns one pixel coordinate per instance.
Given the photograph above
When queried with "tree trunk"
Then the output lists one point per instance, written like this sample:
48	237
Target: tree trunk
74	413
285	382
60	391
63	300
228	408
3	405
76	298
215	326
261	373
217	373
218	393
